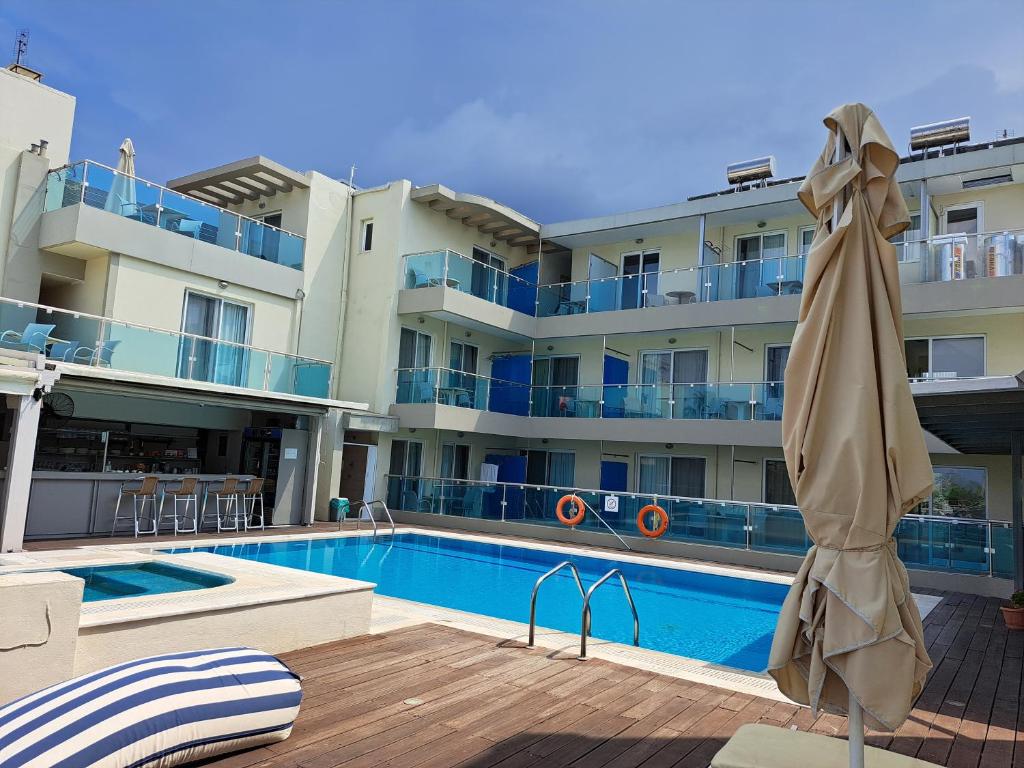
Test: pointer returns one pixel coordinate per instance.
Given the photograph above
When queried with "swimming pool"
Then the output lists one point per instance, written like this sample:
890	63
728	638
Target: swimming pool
704	616
109	582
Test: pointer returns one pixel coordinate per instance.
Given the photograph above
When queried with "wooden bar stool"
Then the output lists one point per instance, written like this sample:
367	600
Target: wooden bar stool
185	494
250	496
228	493
144	492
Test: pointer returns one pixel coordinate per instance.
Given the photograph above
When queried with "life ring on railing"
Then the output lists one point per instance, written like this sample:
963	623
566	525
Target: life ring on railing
641	521
577	503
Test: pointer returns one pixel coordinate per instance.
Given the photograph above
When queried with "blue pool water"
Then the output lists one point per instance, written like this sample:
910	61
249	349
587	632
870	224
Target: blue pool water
718	619
107	582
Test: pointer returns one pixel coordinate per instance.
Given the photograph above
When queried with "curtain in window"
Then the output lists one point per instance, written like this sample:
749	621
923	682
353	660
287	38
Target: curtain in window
195	357
687	477
690	367
231	359
654	475
561	469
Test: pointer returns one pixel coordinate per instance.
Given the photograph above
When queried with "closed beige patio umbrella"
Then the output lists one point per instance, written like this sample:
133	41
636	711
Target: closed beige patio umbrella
121	195
849	635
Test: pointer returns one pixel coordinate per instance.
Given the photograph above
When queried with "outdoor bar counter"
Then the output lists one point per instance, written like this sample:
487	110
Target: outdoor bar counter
66	504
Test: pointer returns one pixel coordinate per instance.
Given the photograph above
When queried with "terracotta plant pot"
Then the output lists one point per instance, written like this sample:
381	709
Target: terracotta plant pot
1014	617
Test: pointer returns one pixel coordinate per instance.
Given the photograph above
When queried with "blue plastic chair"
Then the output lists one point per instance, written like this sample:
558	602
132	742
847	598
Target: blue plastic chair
100	355
64	350
34	336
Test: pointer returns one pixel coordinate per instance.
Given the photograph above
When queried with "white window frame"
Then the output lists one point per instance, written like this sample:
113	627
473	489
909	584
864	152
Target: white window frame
772	345
762	235
984	471
419	333
800	238
931	341
640	362
903	255
476	371
250	312
364	226
669	456
944	218
547	462
493	255
455	446
422	444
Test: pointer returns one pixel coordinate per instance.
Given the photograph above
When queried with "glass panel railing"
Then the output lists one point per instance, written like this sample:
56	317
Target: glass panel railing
949	544
444	386
969	256
570	401
75	337
775	276
101	187
450	269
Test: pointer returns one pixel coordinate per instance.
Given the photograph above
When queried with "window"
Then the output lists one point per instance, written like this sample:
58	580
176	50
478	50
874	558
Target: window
771	245
454	461
664	369
406	458
777	488
366	239
806	237
489	280
907	246
414	349
945	357
671	476
959	492
775	358
273	219
757	278
206	360
640	278
463	357
556	385
557	468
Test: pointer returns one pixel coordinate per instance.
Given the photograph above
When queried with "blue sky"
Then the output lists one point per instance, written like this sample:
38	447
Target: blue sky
559	109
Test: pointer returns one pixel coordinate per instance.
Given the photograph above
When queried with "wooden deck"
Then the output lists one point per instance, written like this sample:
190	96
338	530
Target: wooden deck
434	696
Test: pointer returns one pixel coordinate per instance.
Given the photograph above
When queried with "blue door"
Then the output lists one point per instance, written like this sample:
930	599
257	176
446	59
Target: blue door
512	393
511	469
616	375
522	293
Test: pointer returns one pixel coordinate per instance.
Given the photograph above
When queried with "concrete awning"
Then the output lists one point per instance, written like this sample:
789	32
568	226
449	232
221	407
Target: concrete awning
972	415
248	179
497	221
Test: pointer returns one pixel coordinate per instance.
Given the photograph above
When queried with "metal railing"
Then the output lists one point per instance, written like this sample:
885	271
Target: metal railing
585	620
930	542
368	506
450	269
68	336
536	588
965	256
100	186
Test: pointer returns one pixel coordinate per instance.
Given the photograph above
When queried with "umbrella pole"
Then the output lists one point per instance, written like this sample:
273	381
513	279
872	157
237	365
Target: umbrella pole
855	724
856	735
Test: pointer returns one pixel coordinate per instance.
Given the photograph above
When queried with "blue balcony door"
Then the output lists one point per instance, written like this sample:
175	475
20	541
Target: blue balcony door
206	360
639	272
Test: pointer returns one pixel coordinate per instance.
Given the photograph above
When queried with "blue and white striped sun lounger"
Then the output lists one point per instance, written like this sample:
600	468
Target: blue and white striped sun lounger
155	712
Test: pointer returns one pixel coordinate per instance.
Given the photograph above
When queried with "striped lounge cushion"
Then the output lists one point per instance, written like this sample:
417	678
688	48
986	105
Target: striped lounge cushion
155	712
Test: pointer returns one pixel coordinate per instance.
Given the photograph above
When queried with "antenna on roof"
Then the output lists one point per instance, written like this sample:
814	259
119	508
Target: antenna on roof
20	46
351	176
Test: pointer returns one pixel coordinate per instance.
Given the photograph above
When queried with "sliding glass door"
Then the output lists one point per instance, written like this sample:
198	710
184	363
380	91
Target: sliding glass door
205	359
673	380
671	476
639	272
556	386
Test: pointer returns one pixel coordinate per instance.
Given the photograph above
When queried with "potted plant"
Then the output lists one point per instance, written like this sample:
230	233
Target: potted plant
1013	614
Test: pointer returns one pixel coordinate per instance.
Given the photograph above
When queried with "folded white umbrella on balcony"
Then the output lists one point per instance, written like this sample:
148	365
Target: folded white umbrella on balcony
121	197
849	630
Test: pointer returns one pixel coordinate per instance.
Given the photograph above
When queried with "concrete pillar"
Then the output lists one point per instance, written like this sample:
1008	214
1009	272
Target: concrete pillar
316	426
21	454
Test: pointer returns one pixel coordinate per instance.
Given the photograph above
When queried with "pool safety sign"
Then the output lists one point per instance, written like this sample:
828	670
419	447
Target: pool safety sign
611	503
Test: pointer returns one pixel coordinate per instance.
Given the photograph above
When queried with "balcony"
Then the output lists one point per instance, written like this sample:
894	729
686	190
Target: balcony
76	338
760	401
958	545
450	269
946	258
96	186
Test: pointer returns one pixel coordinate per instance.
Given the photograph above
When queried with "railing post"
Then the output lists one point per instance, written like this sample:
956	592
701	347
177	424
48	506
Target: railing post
444	275
266	374
586	299
159	206
85	181
749	527
504	501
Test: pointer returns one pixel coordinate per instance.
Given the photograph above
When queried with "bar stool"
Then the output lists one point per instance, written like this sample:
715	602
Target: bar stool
185	493
250	495
228	493
146	491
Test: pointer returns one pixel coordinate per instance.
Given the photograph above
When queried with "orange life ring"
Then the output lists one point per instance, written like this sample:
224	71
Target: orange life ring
577	504
641	521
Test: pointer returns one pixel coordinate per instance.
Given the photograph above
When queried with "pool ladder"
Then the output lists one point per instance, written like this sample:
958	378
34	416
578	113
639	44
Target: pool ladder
368	506
585	621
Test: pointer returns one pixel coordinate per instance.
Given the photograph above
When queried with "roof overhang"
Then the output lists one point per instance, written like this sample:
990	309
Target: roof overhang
22	373
497	221
234	183
972	415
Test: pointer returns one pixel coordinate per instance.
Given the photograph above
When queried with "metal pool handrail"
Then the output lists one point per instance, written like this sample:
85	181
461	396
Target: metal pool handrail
536	588
368	506
585	621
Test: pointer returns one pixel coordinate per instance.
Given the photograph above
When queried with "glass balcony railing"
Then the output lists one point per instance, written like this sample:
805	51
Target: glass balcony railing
965	257
760	401
960	545
453	270
76	337
98	186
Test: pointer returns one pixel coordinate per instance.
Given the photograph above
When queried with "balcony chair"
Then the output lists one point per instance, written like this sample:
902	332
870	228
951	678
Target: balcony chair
187	495
773	409
470	504
140	495
33	338
63	350
190	227
632	407
425	393
100	355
